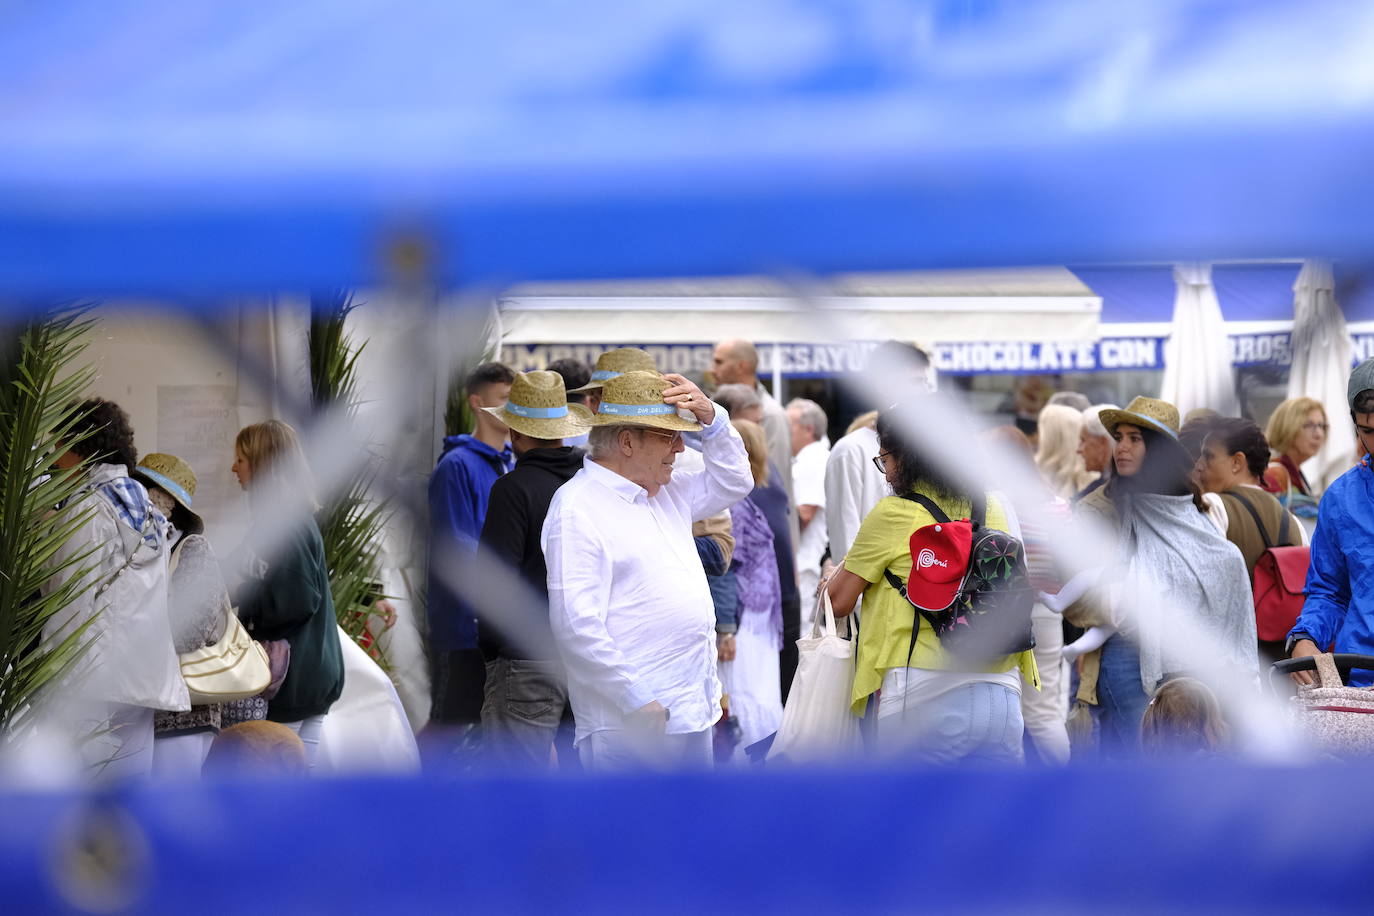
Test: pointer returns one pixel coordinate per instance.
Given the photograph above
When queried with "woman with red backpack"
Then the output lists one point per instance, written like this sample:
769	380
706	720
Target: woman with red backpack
935	706
1231	465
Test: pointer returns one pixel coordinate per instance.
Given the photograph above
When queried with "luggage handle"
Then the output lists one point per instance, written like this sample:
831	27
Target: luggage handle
1342	662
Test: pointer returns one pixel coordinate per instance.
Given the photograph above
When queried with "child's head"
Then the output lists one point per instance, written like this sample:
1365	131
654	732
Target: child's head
1183	717
258	748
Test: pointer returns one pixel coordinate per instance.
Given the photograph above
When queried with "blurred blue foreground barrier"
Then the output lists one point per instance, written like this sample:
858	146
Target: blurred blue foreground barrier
222	147
1199	836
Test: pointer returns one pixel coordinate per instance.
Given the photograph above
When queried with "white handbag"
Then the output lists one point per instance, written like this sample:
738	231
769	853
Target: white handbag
234	667
816	723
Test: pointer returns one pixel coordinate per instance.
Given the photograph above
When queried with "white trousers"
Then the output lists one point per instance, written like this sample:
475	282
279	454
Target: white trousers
121	746
181	756
1046	711
616	750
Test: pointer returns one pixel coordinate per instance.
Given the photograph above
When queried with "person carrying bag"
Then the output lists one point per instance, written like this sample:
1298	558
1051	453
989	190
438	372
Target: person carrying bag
951	683
817	723
1278	579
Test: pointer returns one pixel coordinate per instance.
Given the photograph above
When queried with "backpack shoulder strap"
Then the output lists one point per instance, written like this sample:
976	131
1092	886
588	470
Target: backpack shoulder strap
925	502
900	586
978	508
1259	523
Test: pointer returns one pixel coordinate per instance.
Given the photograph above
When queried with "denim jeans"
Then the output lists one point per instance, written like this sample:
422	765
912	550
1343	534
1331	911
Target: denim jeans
1122	698
978	721
524	703
310	731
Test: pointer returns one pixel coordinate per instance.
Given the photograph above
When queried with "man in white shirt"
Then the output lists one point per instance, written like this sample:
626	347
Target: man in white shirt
853	486
629	604
810	448
853	482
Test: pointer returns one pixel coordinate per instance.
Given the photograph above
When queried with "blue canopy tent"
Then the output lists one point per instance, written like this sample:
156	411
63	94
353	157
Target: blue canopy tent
204	150
219	147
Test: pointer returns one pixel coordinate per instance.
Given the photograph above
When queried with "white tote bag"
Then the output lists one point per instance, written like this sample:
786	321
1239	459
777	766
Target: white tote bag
817	724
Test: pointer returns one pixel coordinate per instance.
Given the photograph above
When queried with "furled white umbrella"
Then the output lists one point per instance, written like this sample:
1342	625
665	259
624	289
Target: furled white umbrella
1322	353
1197	357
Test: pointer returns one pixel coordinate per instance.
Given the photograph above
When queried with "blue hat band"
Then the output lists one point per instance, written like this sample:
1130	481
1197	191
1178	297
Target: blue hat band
636	410
537	413
601	375
1158	426
170	486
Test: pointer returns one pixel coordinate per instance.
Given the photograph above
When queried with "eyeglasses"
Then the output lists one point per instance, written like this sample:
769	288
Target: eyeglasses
1315	427
673	437
878	462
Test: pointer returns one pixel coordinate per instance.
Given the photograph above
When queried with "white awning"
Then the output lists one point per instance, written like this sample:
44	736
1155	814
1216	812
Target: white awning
930	307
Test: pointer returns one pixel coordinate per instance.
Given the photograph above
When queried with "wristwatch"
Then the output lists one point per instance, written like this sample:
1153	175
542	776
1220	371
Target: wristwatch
1293	639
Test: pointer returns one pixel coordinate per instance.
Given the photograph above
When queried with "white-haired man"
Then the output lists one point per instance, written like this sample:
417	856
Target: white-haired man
631	611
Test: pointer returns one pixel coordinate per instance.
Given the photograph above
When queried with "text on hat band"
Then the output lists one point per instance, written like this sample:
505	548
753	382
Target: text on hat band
537	413
636	410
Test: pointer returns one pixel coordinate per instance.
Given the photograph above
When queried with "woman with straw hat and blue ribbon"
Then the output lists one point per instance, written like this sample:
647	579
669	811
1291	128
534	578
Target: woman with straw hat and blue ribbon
1176	579
198	603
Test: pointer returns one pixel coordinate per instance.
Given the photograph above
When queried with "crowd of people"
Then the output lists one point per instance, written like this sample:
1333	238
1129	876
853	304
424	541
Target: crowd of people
663	551
682	554
147	590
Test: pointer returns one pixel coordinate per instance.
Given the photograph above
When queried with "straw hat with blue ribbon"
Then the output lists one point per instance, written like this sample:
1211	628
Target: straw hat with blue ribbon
636	399
171	474
1147	413
613	363
539	408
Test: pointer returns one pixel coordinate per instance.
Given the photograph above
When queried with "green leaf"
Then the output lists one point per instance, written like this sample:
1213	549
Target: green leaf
39	378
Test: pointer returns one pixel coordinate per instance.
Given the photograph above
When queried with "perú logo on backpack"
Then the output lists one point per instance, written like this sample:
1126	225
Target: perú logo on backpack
970	584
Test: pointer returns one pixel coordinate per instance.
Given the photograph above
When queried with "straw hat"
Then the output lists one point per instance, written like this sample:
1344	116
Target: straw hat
636	399
617	362
170	473
539	408
1147	413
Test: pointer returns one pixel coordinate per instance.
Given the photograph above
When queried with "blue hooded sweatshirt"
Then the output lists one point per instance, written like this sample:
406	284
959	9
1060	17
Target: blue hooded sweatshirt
1340	579
458	494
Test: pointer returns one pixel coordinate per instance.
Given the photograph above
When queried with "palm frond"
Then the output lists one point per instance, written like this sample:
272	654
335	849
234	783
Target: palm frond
39	378
351	524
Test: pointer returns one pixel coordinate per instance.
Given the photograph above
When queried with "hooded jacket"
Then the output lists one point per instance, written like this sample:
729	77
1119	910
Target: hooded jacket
519	502
459	491
120	551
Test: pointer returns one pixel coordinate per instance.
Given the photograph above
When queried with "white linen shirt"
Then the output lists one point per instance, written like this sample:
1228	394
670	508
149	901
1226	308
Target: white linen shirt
853	486
628	600
808	487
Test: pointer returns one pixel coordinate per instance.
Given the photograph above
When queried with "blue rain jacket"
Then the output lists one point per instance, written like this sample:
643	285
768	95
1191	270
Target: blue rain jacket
1340	581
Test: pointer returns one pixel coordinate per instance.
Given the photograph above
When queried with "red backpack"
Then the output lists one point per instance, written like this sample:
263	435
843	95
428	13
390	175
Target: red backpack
1279	578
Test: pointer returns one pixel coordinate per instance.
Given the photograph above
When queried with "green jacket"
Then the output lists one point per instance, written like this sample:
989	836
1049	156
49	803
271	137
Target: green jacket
289	598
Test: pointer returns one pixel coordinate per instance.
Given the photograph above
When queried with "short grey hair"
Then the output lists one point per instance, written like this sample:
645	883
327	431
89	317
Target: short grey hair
811	416
1072	399
602	441
1092	422
736	397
